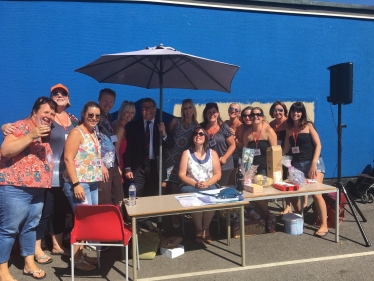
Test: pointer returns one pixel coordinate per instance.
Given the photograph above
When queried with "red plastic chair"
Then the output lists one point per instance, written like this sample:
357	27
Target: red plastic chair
102	223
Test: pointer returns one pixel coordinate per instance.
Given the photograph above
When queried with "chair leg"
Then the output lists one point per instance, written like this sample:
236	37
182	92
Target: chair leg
122	253
98	256
137	249
72	261
127	262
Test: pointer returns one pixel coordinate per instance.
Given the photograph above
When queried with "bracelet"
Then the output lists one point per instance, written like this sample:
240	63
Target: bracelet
75	184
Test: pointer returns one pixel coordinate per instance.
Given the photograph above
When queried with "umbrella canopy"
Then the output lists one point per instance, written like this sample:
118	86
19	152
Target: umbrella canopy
161	67
153	67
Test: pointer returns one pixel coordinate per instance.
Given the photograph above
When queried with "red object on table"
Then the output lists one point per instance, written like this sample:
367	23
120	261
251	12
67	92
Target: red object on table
286	186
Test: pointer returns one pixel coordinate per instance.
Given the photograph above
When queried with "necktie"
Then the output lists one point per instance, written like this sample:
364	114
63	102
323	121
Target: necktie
147	141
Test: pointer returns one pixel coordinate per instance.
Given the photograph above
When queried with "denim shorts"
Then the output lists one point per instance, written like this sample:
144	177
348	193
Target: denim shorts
304	166
190	189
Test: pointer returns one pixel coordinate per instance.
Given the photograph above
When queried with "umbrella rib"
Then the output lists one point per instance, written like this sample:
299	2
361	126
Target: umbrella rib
185	59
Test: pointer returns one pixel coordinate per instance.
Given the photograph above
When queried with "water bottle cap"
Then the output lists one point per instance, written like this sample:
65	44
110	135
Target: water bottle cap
131	182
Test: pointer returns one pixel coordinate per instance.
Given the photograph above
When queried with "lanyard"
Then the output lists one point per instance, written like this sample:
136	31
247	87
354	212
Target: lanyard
65	128
259	135
295	137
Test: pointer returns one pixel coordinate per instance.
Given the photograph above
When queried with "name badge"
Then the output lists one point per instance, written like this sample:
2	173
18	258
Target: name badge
279	142
295	150
97	162
257	152
212	143
114	138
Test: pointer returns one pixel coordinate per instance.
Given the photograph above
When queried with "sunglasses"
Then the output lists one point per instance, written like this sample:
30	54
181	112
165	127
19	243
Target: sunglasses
91	115
62	93
201	134
278	110
256	114
246	115
233	109
145	108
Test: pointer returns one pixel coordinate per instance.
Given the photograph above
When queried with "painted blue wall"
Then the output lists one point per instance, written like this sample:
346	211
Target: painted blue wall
281	57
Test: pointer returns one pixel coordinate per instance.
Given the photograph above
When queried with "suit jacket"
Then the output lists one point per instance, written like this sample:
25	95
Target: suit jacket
135	135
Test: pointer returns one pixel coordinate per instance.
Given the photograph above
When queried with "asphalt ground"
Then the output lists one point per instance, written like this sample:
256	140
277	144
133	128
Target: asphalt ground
277	256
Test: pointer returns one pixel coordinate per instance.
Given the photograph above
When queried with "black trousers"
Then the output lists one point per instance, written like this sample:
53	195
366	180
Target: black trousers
55	210
145	180
111	192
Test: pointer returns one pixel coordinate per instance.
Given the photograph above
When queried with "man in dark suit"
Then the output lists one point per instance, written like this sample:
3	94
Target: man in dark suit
142	151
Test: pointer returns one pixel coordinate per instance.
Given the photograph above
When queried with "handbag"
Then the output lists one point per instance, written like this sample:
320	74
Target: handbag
227	193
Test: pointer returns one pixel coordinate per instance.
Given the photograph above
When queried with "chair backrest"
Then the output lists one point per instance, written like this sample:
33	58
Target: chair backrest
102	223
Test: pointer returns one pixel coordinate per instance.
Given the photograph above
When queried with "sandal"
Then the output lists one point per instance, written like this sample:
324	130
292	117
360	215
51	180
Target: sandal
31	273
83	265
207	238
199	238
48	259
90	260
287	210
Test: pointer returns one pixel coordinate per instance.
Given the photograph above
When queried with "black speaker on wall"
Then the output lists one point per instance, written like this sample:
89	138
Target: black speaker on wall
341	83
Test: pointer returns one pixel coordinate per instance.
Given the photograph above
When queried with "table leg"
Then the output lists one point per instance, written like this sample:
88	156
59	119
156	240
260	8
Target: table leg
337	215
228	226
242	235
302	205
134	253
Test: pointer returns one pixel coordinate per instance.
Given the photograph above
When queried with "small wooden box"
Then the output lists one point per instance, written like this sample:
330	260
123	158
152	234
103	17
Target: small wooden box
254	188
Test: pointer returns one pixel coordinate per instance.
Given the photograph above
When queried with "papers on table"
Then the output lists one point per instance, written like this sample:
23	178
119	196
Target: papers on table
200	199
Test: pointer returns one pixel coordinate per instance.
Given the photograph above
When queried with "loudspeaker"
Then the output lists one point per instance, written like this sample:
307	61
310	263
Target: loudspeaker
341	83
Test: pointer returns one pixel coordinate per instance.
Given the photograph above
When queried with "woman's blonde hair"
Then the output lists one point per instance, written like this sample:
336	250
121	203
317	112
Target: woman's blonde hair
189	101
124	106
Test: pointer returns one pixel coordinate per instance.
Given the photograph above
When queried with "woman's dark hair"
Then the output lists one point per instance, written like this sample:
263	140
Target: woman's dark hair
298	107
43	100
206	141
272	108
208	106
245	109
86	107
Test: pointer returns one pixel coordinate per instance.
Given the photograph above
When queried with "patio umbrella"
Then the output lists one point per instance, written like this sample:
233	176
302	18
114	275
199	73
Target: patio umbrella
161	67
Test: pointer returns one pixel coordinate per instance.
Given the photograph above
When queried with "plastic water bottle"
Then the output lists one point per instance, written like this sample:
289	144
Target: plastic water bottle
132	194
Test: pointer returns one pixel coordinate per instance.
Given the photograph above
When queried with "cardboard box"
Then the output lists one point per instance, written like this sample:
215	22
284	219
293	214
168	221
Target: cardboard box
254	188
172	253
274	163
250	228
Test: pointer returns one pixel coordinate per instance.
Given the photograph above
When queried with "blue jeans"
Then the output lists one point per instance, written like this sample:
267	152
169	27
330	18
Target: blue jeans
90	191
304	166
20	212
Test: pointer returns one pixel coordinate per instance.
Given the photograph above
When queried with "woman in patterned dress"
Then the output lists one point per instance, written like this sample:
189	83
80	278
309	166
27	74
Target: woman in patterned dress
26	164
181	128
200	169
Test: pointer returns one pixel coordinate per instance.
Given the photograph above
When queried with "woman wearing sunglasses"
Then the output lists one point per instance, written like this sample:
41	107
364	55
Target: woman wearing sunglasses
220	139
26	164
200	170
83	169
56	205
303	143
246	119
181	128
279	112
234	123
259	137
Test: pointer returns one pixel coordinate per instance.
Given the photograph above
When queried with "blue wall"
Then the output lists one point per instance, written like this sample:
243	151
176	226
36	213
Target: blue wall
281	57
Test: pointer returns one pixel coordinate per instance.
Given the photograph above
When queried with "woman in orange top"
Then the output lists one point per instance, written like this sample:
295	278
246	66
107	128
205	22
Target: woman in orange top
26	165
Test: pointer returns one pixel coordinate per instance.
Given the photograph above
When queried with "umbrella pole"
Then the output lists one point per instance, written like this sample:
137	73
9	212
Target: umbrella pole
161	80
